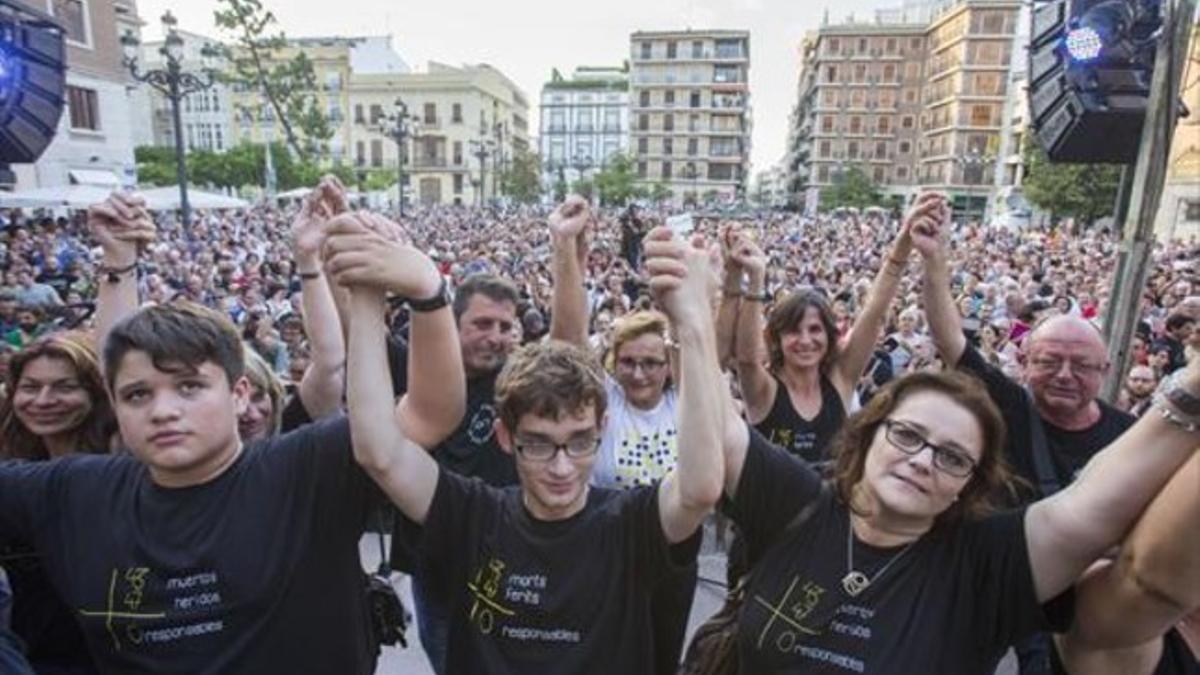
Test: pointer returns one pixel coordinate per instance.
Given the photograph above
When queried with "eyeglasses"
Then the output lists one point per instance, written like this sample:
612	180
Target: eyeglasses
545	451
648	366
1053	364
910	442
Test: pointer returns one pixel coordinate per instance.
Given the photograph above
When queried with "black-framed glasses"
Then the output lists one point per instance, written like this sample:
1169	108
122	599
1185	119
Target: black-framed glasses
909	441
544	451
648	366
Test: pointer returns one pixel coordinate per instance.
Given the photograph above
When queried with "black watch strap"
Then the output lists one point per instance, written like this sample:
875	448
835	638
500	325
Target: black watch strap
1186	403
438	301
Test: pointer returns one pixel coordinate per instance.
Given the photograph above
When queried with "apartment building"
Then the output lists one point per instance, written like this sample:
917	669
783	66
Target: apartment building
466	123
690	107
334	59
914	98
1179	214
584	121
970	49
94	142
859	105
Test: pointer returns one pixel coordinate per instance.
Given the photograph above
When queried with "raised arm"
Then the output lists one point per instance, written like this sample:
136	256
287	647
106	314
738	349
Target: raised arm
681	279
731	299
324	381
405	472
1069	531
569	307
750	346
121	226
860	342
360	251
1153	584
945	323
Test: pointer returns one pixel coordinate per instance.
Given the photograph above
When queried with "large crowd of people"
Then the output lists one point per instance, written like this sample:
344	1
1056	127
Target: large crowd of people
545	405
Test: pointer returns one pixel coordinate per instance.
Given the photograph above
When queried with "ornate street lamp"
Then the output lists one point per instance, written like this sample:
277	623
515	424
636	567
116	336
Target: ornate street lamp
175	83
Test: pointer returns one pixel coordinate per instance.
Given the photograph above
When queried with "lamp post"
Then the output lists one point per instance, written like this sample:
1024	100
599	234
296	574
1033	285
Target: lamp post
399	126
975	158
691	173
482	150
175	83
499	159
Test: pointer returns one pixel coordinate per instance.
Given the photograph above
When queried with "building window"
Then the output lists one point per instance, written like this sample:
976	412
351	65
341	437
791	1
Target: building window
823	174
905	147
881	150
644	99
376	153
557	120
697	49
666	170
885	125
668	147
669	97
693	147
360	153
831	73
694	99
907	122
456	114
85	108
643	122
878	174
834	46
852	150
981	115
1192	211
612	120
668	123
376	113
458	153
856	125
458	182
641	169
430	114
645	50
583	120
671	50
825	150
643	146
73	14
359	117
902	172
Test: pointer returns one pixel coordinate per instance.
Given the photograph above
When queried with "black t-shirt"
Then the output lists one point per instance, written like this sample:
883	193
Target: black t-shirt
951	603
40	618
529	596
1177	658
807	439
256	571
1069	450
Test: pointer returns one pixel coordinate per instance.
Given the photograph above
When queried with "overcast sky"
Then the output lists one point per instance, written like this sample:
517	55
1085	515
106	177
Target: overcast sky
526	38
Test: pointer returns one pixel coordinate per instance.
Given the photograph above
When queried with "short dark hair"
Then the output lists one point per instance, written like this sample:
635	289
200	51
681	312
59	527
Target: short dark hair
179	334
489	285
1177	321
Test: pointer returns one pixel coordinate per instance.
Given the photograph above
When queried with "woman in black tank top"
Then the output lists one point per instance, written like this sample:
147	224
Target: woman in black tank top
798	381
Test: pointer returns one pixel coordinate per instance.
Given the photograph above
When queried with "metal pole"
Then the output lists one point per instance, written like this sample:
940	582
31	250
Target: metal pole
1149	174
180	161
400	165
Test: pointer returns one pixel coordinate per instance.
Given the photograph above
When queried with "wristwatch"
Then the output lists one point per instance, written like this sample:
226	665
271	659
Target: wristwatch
438	301
1183	401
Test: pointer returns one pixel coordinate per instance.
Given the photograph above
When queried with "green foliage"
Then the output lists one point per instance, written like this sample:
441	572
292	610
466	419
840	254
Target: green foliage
377	180
616	183
1086	192
155	165
238	167
659	192
288	88
851	188
521	181
584	187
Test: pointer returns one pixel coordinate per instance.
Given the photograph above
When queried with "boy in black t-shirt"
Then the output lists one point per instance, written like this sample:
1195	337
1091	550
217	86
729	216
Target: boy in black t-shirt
191	553
550	576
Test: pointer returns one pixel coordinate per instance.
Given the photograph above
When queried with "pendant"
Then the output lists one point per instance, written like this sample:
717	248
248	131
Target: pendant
855	582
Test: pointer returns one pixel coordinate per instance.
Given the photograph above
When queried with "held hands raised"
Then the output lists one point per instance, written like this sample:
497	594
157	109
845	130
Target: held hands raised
927	223
122	226
366	251
682	279
326	201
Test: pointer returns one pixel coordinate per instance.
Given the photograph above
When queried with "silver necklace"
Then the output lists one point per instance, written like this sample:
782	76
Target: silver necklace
856	582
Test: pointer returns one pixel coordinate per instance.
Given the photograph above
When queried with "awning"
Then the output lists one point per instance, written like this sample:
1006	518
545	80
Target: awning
94	177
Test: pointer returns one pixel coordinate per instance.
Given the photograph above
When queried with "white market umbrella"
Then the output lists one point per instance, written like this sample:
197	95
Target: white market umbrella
167	199
71	196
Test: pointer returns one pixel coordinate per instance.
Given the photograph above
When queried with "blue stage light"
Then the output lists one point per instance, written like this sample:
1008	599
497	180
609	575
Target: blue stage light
1084	44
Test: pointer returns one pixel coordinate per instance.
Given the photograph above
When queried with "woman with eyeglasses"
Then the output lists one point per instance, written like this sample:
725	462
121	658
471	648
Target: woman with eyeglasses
798	379
902	562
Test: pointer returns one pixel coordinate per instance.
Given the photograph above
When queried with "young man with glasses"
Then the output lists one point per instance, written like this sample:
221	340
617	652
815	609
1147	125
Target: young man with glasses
551	576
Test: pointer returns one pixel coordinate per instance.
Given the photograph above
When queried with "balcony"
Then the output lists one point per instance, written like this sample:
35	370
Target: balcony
430	162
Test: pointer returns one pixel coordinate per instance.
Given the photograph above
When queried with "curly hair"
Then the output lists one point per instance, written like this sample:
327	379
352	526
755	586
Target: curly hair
94	433
549	379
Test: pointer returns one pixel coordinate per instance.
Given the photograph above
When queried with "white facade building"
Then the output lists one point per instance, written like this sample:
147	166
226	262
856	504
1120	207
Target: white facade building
584	122
204	114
